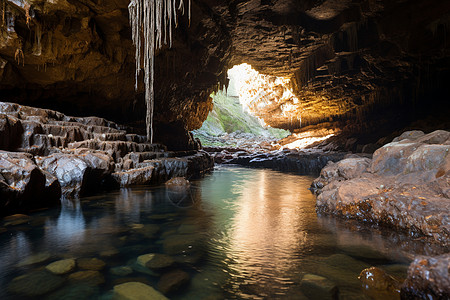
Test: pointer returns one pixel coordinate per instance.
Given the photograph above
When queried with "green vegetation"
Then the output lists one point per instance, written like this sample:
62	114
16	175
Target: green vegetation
227	117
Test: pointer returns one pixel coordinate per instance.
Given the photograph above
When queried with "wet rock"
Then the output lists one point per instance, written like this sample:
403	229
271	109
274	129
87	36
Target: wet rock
61	266
74	292
345	169
143	280
318	287
94	264
405	186
136	176
23	185
77	173
173	281
16	219
345	262
428	278
87	277
35	284
159	261
139	265
363	252
136	291
34	259
375	280
145	258
177	182
121	271
302	162
109	253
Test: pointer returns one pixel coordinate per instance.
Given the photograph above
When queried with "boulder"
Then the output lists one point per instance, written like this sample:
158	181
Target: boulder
87	277
376	280
318	287
121	271
94	264
136	176
173	281
23	185
78	173
160	261
62	266
34	259
35	284
405	186
177	182
428	278
136	291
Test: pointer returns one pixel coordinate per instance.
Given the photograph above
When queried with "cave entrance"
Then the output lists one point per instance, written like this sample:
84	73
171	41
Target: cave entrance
256	111
239	115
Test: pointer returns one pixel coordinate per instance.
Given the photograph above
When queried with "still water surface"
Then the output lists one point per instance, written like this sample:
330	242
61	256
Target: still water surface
239	233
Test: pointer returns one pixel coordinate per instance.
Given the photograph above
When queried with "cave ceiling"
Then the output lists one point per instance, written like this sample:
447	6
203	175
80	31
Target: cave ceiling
346	59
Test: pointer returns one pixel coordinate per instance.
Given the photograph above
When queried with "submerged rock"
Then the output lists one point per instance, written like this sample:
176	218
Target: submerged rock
35	284
61	266
17	219
87	277
376	281
136	291
121	271
318	287
74	292
159	261
94	264
177	182
34	259
173	281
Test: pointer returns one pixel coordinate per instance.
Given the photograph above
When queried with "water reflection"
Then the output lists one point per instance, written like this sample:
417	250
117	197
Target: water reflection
69	228
266	228
262	234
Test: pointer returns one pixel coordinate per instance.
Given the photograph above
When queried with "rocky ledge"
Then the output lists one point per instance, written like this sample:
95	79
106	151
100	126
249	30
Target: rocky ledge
406	185
307	161
45	154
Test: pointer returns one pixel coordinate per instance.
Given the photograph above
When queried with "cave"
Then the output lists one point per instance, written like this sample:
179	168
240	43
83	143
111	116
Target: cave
239	149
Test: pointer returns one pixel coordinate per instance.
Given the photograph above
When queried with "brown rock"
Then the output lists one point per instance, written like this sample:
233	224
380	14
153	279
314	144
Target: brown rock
94	264
173	281
377	279
428	278
88	277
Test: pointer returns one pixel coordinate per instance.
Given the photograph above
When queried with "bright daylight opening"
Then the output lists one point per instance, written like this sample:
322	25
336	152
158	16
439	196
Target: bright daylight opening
245	110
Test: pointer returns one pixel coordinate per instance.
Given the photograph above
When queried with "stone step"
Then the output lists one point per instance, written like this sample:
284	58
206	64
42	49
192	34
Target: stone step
89	128
117	149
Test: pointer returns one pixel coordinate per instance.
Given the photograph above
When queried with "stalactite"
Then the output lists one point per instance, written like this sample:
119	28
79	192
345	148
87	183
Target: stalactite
3	13
148	20
37	47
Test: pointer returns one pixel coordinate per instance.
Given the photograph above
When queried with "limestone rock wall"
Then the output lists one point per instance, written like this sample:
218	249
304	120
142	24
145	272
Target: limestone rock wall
363	61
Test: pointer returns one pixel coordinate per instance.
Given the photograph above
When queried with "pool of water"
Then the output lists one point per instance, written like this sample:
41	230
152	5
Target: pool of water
237	233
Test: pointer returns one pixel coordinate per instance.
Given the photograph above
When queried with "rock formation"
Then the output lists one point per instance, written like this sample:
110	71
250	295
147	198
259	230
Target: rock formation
405	185
45	154
359	62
